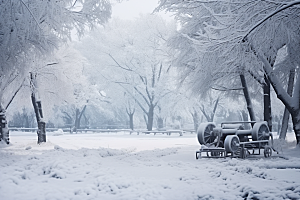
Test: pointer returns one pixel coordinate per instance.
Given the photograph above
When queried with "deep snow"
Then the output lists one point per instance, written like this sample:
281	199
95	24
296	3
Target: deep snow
123	166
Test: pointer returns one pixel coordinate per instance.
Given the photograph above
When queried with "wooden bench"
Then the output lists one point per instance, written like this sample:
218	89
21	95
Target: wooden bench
168	132
192	131
154	132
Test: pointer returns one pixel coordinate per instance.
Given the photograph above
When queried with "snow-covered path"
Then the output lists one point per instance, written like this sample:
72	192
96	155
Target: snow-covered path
120	166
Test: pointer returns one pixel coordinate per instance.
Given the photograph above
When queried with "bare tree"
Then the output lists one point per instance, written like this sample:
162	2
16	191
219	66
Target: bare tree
133	56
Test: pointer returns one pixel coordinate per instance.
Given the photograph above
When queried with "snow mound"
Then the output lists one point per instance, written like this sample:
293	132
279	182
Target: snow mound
3	144
28	148
56	147
58	132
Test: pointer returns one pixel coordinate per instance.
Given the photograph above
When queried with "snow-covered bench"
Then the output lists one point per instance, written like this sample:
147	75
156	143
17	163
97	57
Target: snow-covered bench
168	132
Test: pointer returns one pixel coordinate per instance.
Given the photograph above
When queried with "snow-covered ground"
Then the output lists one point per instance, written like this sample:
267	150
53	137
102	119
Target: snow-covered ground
122	166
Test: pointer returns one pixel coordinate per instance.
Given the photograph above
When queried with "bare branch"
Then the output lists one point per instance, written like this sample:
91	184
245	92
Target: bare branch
128	69
143	96
16	92
258	79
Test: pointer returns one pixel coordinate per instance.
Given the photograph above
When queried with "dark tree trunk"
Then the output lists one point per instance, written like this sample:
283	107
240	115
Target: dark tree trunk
78	116
279	125
286	113
285	124
214	110
150	118
247	98
296	124
130	113
195	120
76	120
41	132
4	132
131	121
37	105
267	102
26	121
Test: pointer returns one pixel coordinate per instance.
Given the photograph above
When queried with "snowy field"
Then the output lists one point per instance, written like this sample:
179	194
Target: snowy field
121	166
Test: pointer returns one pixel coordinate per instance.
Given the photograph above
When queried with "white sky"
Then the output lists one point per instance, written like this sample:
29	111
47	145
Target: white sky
130	9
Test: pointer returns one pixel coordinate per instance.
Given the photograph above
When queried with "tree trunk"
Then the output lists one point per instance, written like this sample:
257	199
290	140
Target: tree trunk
78	116
150	118
247	98
76	120
285	124
26	121
296	124
245	118
37	105
160	123
195	120
210	117
286	114
291	103
244	115
267	102
130	113
41	132
279	125
131	121
4	132
214	110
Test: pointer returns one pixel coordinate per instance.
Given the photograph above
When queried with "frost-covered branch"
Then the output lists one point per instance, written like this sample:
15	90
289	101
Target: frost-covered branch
224	89
142	95
14	94
269	16
281	93
127	69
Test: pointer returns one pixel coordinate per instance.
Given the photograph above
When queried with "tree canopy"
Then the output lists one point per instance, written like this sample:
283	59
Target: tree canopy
31	29
211	40
218	39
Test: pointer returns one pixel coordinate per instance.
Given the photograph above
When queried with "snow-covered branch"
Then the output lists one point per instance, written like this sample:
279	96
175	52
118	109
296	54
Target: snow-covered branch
269	16
281	93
